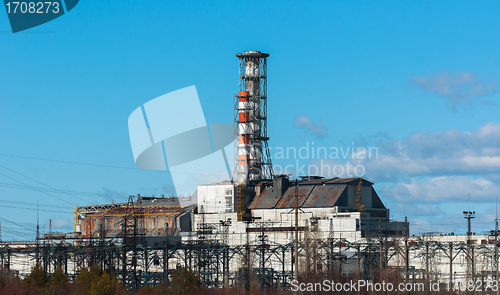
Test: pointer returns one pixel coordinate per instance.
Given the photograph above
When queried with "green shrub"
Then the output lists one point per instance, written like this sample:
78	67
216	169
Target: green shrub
2	280
102	285
37	277
58	278
184	281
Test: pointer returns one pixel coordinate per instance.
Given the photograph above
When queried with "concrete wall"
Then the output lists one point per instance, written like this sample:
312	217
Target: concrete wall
216	198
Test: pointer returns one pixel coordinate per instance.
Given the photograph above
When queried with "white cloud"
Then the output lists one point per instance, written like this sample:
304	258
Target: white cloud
60	225
458	87
442	189
428	176
441	153
305	122
416	209
421	154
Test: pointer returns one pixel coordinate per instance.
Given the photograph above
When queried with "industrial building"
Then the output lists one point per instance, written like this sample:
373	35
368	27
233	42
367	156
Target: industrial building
237	211
254	193
256	224
158	216
350	205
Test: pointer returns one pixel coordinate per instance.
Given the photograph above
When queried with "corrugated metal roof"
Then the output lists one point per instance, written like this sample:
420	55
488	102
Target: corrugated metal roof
341	180
266	200
324	196
314	181
348	180
265	182
313	193
288	199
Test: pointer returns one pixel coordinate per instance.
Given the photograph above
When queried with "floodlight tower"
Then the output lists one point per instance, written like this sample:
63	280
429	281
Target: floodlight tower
469	215
470	261
252	156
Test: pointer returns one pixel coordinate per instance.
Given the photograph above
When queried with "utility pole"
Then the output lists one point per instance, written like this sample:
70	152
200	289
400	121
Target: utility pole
450	245
247	255
1	255
331	240
340	254
37	234
496	240
225	224
381	245
407	252
296	229
427	268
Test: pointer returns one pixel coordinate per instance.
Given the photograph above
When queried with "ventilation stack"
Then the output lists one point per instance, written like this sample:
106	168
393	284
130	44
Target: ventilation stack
252	156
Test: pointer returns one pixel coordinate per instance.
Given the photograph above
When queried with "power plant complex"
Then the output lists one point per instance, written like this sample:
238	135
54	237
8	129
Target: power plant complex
254	193
256	228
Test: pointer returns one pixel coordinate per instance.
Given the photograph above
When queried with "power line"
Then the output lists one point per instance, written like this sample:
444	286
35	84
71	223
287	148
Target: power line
92	164
18	173
15	223
59	191
60	199
17	232
5	206
36	204
70	162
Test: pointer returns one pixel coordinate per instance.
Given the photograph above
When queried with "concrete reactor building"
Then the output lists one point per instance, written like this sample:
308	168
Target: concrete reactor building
347	206
257	226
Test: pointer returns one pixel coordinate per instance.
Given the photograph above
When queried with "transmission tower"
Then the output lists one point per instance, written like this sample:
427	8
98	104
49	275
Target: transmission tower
132	227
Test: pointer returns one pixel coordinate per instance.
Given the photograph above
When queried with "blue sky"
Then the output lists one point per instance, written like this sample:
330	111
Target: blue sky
417	80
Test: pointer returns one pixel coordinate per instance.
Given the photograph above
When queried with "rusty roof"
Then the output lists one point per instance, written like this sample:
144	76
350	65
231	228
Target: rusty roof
314	181
348	180
313	193
288	199
266	200
310	196
325	196
146	211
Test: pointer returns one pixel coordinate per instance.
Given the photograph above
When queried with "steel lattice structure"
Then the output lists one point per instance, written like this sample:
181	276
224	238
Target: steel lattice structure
252	155
260	260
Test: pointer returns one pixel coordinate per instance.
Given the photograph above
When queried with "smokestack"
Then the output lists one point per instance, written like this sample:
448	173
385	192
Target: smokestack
252	156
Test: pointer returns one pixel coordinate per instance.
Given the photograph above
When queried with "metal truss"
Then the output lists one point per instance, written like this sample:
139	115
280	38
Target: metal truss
260	261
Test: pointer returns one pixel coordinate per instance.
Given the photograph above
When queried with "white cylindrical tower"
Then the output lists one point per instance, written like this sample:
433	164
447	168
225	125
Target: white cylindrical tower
244	132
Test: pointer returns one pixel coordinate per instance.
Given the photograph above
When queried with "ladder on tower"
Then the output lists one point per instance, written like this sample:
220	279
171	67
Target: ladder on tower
239	199
358	199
